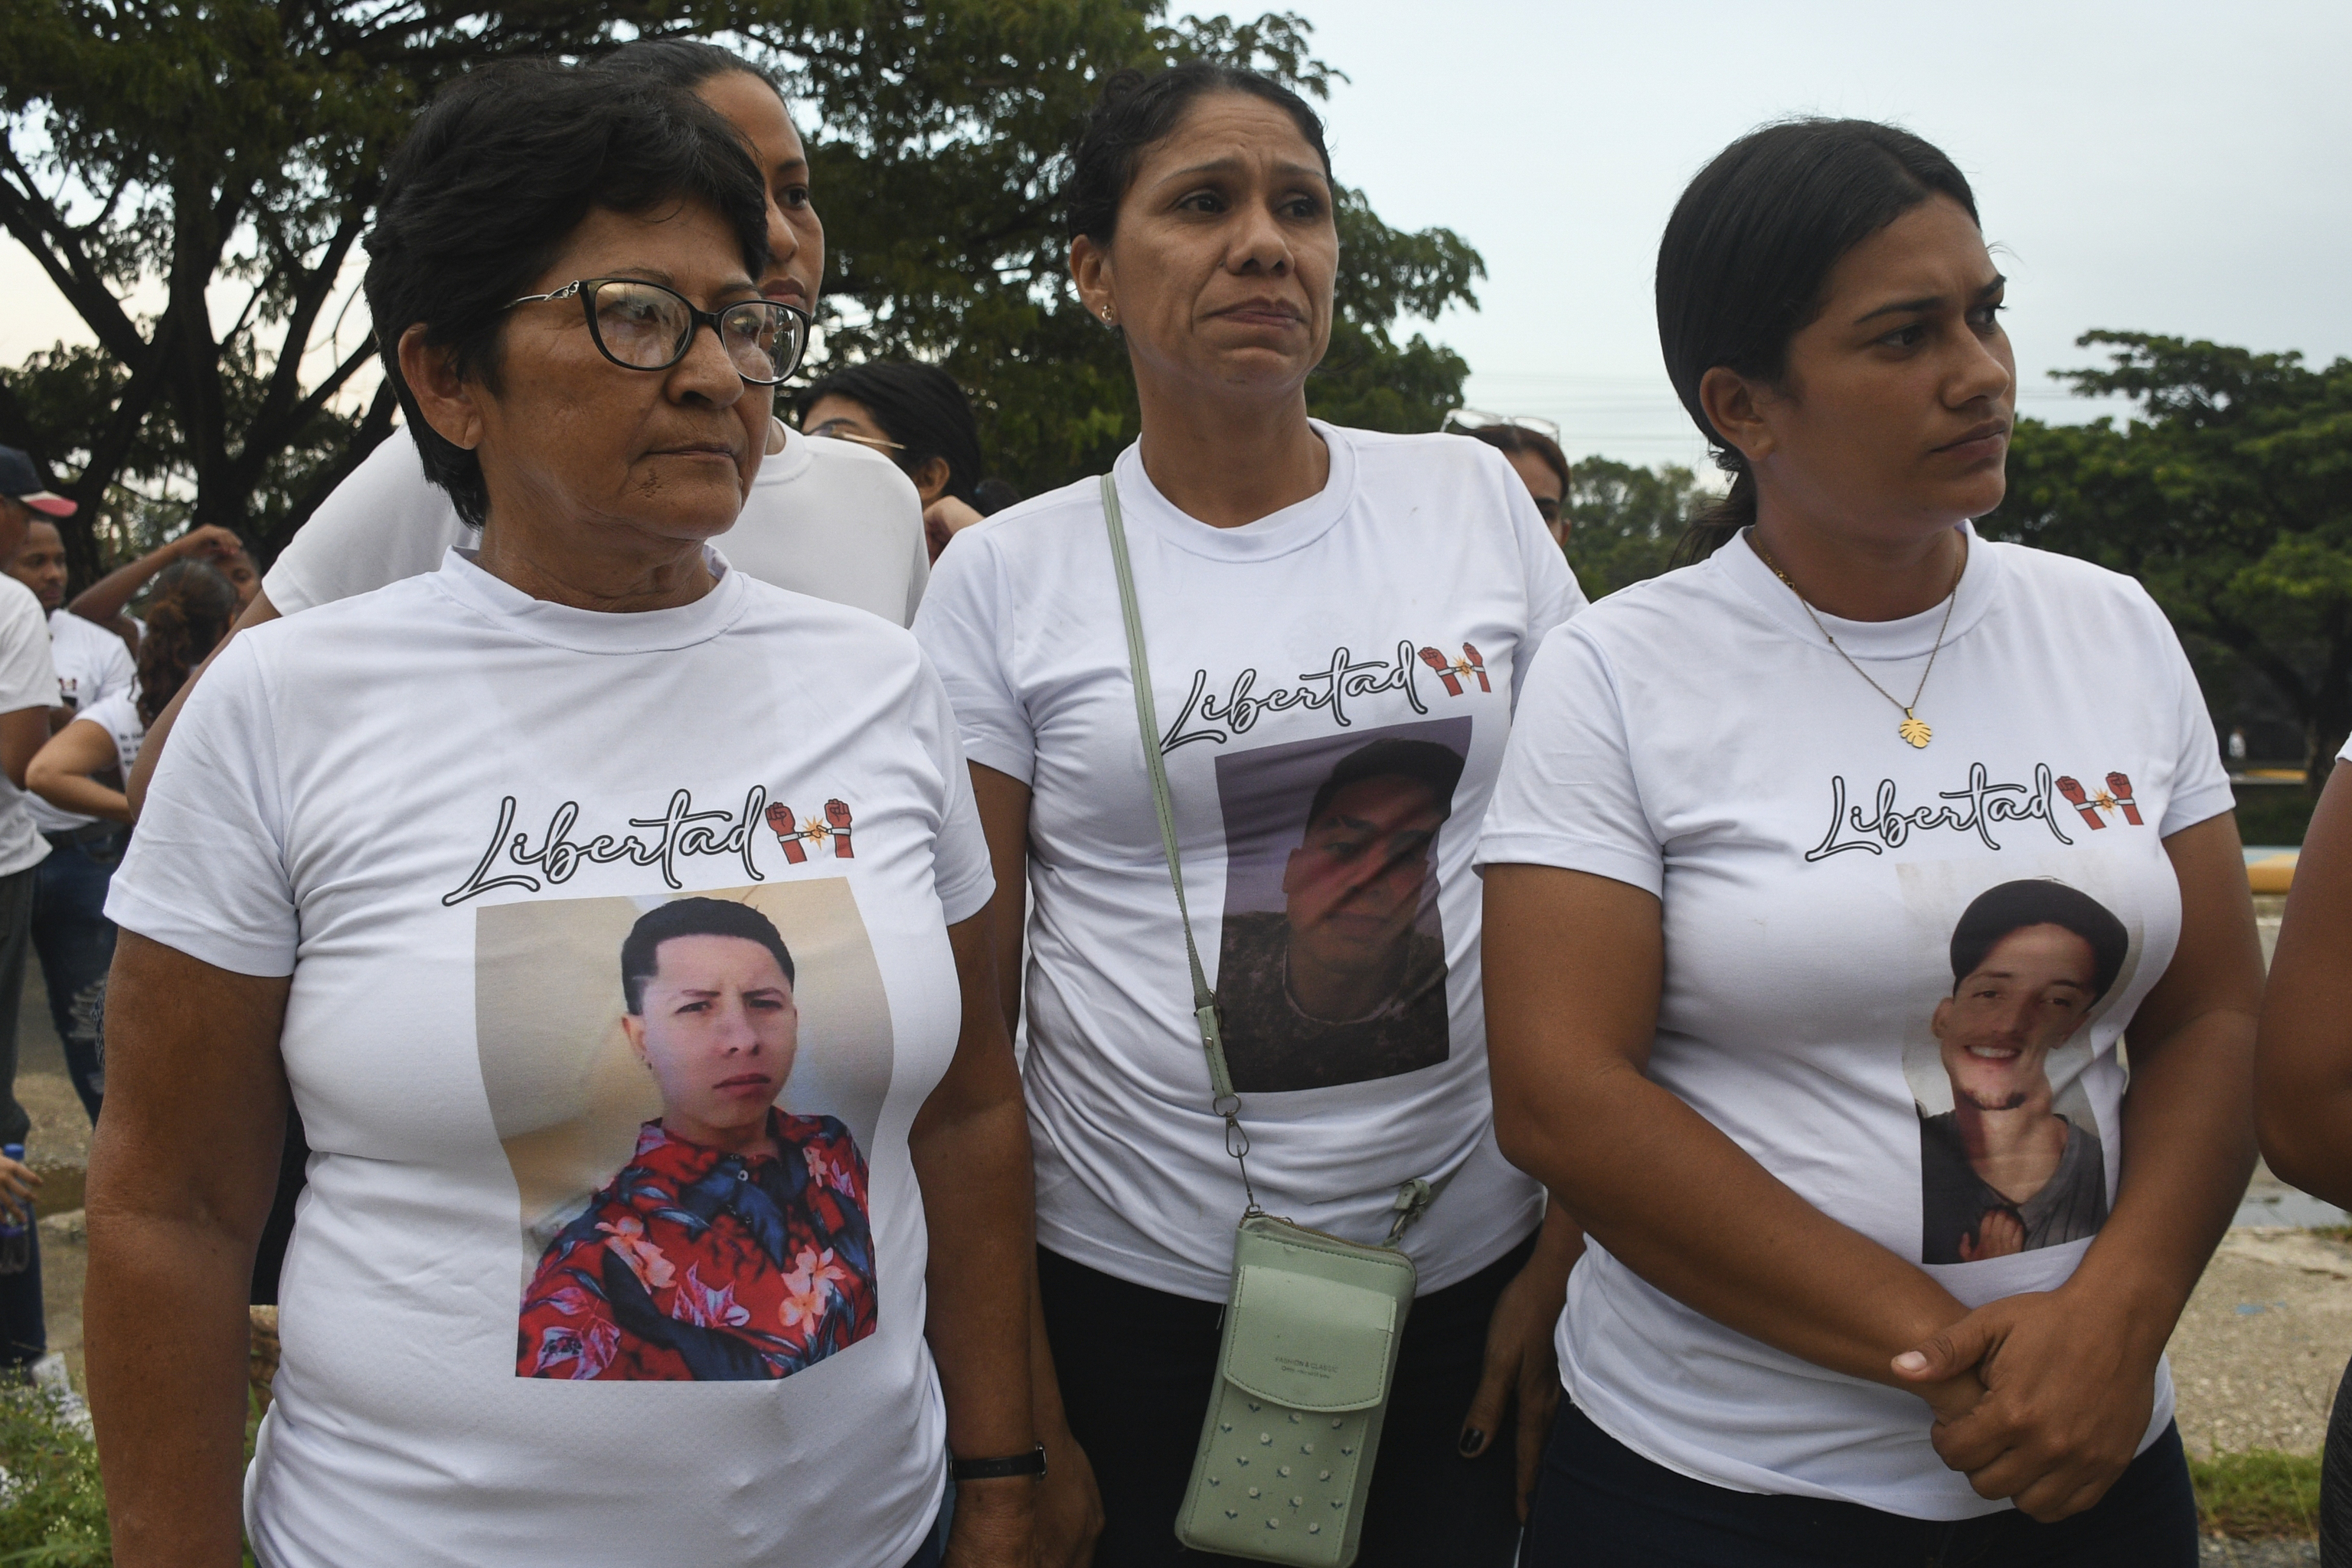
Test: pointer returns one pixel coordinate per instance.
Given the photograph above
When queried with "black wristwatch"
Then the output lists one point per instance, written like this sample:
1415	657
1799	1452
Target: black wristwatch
1032	1463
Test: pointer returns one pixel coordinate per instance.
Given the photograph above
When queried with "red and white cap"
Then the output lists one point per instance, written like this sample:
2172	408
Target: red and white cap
22	481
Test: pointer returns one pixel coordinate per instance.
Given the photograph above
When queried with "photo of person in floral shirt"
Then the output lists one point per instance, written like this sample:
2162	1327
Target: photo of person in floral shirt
734	1245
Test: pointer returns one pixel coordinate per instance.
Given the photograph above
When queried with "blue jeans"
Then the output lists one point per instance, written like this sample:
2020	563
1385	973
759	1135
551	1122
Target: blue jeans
23	1337
1600	1505
75	941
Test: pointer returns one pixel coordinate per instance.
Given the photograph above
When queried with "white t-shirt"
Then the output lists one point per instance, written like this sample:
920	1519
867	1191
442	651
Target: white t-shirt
28	679
118	714
1279	651
92	664
1822	880
449	879
829	517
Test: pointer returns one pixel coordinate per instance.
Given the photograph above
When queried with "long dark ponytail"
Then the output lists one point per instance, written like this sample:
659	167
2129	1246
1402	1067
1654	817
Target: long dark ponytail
1749	252
188	612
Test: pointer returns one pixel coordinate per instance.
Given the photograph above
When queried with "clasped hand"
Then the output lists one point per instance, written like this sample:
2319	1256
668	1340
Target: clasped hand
2066	1392
18	1182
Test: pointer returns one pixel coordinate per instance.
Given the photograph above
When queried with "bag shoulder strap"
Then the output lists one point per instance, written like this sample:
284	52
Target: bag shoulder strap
1413	1197
1226	1103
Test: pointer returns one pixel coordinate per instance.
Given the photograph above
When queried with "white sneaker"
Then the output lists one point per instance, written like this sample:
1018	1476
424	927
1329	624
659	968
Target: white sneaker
49	1376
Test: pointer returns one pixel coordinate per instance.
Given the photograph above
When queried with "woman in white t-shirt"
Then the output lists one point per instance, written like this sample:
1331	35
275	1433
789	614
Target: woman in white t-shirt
1337	623
189	611
71	935
441	861
2303	1082
836	520
1824	880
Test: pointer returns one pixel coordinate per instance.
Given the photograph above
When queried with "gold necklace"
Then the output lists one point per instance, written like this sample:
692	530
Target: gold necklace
1914	730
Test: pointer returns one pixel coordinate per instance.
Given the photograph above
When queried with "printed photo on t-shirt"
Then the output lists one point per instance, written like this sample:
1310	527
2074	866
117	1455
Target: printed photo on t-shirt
2011	1156
685	1088
1331	968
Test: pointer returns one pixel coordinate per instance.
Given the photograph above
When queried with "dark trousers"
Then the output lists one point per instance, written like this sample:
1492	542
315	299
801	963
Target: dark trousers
23	1335
74	943
1600	1505
1137	1365
293	1174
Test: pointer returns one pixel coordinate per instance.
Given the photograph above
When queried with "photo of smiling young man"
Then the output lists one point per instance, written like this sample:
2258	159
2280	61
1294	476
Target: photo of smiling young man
2006	1169
1332	967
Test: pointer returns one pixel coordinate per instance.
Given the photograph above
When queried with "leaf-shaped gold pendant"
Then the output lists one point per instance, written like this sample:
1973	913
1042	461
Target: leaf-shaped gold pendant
1914	731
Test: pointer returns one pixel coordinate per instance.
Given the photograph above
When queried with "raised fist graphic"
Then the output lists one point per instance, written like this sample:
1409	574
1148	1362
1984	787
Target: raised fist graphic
1477	667
838	813
780	819
2072	790
2119	786
1437	661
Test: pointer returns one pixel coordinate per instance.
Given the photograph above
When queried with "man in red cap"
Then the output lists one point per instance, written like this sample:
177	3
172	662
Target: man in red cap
28	687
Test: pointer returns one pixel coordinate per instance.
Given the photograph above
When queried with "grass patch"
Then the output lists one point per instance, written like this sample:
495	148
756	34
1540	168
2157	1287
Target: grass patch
2259	1495
54	1511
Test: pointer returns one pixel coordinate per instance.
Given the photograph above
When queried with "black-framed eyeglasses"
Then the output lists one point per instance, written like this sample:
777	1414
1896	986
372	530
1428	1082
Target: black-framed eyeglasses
644	326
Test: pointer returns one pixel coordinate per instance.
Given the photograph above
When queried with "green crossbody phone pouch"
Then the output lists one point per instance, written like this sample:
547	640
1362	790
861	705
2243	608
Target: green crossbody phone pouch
1312	1322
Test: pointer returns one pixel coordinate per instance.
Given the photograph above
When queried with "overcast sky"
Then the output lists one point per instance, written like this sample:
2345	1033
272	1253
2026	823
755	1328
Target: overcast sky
2155	166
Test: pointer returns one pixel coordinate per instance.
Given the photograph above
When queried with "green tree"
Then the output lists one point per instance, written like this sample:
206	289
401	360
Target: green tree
219	158
1626	521
2228	494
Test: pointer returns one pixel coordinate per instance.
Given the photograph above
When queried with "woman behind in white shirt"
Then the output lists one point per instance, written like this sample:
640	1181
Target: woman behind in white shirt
1824	880
188	612
1338	621
386	869
71	934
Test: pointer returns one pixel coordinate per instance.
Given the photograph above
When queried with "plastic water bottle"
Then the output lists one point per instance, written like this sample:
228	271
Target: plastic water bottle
16	1235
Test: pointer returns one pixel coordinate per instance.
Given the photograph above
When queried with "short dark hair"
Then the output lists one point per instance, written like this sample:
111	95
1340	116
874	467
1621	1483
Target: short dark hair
1509	438
681	63
641	953
492	180
1423	762
2038	901
1135	110
918	405
1750	249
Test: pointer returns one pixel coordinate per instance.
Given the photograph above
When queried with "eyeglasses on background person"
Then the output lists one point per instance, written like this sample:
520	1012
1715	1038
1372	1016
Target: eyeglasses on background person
1532	447
1479	419
644	326
847	430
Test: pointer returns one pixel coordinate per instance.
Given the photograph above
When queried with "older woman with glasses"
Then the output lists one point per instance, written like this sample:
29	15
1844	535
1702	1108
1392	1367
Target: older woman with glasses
383	872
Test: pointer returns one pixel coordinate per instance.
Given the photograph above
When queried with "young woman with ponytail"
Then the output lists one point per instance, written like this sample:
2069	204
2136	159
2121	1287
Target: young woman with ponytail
1822	879
191	609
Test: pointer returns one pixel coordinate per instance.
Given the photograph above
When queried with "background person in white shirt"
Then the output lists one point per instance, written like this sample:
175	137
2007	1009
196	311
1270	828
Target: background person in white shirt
1746	807
307	906
189	613
917	415
29	690
71	935
1305	590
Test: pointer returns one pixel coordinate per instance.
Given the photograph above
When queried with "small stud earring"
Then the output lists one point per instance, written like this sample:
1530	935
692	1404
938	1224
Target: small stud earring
775	436
1105	312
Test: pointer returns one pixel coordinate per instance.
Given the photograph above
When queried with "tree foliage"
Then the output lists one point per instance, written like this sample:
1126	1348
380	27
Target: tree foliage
194	175
2229	495
1627	521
